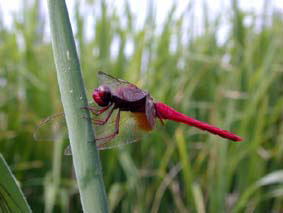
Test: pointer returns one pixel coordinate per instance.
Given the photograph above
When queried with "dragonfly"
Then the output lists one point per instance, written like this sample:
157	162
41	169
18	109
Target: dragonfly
116	96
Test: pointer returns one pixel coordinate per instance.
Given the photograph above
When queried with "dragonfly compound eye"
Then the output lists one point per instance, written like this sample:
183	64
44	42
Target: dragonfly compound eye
102	96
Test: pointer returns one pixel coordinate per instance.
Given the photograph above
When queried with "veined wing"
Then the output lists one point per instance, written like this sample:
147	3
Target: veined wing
51	128
129	132
54	126
110	81
121	88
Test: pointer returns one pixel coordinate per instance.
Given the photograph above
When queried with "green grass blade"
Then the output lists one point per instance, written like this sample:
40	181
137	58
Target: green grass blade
187	170
11	196
85	156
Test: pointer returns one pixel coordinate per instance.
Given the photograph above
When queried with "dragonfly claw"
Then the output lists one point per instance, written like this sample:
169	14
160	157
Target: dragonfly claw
94	110
95	121
98	122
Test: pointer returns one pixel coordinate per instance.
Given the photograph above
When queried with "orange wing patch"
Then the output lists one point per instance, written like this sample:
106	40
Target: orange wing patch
142	121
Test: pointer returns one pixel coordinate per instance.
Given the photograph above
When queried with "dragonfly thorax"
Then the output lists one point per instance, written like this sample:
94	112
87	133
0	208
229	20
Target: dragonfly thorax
102	95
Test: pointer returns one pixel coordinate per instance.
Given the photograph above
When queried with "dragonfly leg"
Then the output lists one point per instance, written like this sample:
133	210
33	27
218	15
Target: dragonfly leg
111	136
96	111
102	122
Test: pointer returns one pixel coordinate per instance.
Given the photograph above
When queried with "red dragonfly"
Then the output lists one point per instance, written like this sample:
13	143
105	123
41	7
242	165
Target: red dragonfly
117	95
121	95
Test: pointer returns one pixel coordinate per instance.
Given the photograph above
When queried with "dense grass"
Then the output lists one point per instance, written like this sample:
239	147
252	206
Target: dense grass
235	85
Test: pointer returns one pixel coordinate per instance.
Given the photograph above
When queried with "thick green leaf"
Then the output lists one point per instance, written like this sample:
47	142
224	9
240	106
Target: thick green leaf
85	156
11	196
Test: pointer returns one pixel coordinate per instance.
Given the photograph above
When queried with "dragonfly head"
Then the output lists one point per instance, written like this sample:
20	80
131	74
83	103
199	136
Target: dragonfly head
102	96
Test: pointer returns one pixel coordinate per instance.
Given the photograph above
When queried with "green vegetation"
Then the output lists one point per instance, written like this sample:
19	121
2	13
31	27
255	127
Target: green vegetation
11	197
236	85
81	135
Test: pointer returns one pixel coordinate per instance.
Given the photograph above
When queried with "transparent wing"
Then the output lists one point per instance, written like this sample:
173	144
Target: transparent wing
53	126
50	128
121	88
129	132
110	81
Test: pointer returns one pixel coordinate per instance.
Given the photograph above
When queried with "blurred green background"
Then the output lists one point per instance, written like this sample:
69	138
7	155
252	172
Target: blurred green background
233	80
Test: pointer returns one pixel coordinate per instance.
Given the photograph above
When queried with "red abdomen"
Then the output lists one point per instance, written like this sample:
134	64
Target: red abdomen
163	111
